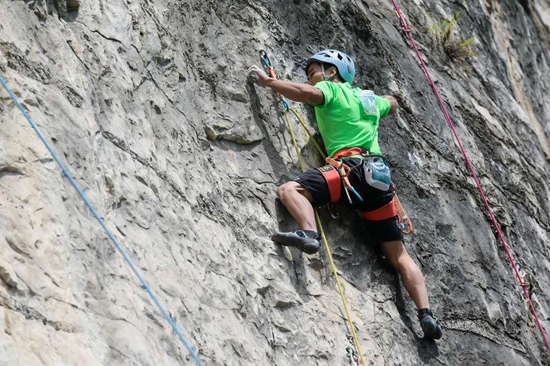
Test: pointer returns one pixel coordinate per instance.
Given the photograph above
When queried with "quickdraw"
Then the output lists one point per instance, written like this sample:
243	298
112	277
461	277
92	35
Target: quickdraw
404	28
405	222
353	358
523	275
270	70
344	171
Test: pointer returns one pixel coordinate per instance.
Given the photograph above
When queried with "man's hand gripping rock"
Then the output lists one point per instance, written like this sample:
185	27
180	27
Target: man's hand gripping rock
258	76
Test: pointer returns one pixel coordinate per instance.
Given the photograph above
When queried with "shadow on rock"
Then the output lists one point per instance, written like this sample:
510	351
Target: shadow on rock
275	159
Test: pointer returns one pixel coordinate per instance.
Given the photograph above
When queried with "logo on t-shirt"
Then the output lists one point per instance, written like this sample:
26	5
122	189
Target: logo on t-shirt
369	102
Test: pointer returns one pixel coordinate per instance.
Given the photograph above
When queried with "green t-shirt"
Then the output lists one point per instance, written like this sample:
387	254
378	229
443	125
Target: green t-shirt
349	117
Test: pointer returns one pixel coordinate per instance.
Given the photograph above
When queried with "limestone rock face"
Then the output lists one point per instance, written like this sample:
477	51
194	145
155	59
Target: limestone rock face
147	101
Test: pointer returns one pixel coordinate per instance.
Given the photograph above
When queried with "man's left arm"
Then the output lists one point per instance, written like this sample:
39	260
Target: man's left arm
393	103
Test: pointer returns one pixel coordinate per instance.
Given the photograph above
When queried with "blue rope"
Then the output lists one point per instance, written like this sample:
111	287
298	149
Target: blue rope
102	223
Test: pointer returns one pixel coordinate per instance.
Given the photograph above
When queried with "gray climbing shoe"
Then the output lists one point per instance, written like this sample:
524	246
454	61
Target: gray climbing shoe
305	240
430	324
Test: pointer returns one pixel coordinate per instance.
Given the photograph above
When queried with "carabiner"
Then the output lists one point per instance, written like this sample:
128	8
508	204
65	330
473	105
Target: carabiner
266	62
404	223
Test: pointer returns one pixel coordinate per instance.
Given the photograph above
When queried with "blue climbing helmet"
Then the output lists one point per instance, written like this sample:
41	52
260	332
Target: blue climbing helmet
344	63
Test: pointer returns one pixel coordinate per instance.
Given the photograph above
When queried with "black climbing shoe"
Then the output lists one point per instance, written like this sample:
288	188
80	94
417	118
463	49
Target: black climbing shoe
430	324
305	240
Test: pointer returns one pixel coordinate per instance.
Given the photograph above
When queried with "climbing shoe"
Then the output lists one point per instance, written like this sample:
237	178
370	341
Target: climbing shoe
430	324
305	240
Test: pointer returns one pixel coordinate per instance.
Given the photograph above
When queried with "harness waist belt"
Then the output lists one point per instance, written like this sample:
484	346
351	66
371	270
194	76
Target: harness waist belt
385	212
348	152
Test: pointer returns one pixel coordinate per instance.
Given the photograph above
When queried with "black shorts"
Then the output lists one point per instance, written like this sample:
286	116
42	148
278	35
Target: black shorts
379	231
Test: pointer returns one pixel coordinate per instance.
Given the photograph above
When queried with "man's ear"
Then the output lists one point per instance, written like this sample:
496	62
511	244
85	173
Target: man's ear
332	72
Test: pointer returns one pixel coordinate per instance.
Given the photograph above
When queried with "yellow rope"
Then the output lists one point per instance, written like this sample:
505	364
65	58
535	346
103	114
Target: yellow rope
325	242
340	290
308	133
302	167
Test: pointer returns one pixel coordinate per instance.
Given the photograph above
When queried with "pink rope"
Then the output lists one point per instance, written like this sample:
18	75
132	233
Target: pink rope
472	171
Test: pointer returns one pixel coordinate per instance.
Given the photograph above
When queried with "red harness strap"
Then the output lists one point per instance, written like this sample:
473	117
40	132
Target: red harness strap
348	152
334	181
385	212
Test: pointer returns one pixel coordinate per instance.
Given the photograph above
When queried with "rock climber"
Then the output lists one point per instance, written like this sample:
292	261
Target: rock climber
348	120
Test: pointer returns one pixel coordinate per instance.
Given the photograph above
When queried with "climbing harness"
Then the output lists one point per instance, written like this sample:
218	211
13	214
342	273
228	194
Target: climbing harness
104	226
473	173
383	213
381	180
269	67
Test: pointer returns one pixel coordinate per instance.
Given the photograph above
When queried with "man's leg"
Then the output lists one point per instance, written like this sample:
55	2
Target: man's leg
298	200
412	277
413	280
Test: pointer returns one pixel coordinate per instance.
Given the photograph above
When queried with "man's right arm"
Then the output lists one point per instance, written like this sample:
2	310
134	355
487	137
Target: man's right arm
295	91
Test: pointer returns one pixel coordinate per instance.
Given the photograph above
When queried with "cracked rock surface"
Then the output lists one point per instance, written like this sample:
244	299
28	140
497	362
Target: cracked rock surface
147	102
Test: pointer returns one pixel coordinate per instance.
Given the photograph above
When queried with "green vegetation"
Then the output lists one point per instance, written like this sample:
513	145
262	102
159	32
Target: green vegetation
456	47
